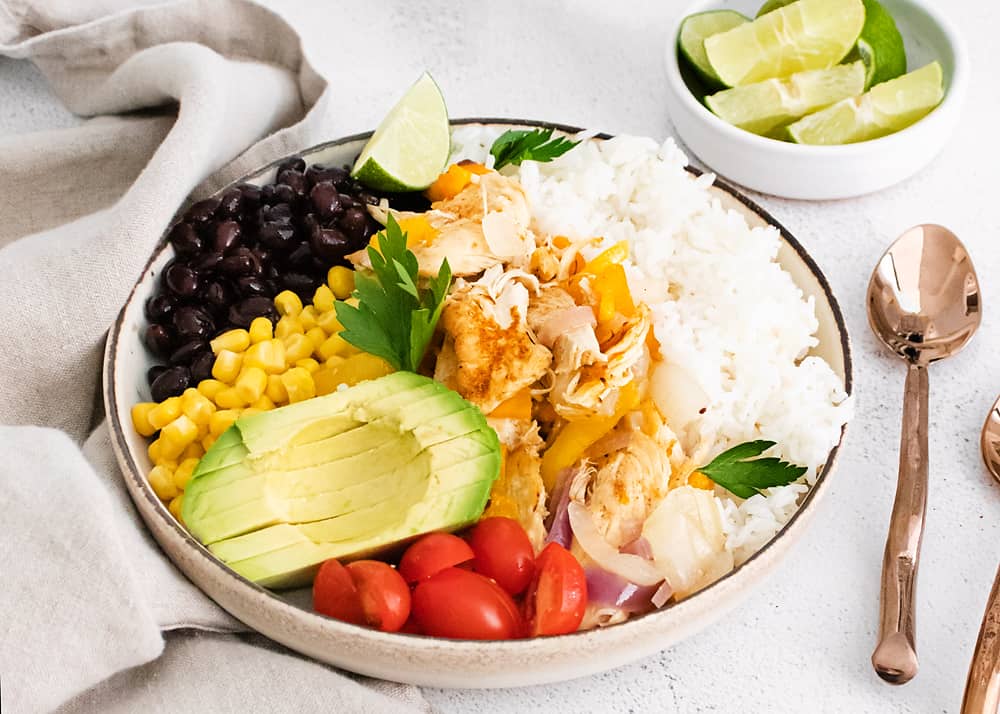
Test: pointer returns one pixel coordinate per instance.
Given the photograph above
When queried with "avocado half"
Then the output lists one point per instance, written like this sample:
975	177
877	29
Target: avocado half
344	476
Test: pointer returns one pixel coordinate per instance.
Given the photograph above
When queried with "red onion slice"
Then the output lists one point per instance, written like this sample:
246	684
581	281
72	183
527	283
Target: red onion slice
560	530
662	594
640	546
631	567
606	589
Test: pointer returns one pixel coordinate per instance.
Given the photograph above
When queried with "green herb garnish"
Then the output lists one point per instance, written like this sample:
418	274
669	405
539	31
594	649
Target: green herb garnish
737	471
517	145
395	317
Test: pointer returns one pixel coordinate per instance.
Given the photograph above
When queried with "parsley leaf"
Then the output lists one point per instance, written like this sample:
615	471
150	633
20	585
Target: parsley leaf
394	318
737	471
517	145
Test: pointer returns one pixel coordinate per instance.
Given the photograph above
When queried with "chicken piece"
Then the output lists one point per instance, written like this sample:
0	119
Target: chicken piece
519	493
585	376
550	303
486	223
488	355
631	475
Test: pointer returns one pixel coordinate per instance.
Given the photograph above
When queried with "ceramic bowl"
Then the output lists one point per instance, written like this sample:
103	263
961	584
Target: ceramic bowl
826	172
285	617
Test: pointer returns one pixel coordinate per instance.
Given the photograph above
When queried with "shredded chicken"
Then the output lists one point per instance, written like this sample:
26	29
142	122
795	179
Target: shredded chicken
488	355
520	491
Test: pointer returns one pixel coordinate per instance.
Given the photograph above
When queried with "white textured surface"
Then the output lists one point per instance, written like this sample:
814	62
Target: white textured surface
802	642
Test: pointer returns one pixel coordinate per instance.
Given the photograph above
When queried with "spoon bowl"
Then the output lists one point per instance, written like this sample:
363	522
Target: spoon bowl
923	304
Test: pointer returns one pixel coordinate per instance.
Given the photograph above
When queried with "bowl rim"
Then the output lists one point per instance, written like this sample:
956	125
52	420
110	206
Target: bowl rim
953	97
133	474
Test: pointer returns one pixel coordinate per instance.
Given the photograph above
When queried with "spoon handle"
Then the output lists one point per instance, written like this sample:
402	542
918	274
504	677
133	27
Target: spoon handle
982	689
895	657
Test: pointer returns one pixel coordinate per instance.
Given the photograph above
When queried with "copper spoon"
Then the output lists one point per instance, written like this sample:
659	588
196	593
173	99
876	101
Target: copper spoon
982	689
923	303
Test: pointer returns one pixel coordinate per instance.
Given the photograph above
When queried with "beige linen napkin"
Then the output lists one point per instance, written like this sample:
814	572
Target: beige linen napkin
178	91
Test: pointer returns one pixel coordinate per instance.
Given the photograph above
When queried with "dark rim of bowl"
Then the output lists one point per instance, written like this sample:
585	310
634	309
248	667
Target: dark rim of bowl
135	474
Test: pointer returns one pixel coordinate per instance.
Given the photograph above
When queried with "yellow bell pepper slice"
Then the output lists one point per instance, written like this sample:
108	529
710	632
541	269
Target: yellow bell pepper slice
578	436
451	182
616	254
612	287
517	407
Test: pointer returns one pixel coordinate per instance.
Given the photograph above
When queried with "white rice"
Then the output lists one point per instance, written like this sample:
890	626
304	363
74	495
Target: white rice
725	313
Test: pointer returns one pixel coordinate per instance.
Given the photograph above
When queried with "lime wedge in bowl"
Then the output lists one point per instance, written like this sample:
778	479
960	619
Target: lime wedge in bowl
884	109
691	39
808	34
411	146
880	46
764	106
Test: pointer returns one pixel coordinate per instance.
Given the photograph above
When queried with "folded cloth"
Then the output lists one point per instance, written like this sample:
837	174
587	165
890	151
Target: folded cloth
176	93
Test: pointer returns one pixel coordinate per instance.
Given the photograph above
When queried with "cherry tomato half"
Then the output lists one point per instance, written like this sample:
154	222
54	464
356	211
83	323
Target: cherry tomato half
465	605
365	592
503	552
432	554
557	597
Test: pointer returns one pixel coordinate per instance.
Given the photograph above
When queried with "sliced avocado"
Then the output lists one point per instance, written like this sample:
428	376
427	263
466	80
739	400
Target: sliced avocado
343	475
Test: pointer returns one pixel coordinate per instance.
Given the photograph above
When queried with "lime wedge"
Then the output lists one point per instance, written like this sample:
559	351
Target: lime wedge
884	109
691	39
767	105
411	146
880	46
772	5
808	34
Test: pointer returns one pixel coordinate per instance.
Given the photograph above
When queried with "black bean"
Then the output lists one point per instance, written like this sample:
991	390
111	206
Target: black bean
201	366
206	263
251	286
202	211
184	238
300	256
193	323
181	280
280	212
153	372
242	262
243	313
218	295
159	307
283	193
293	163
170	383
187	352
319	172
251	196
325	200
267	194
295	180
328	243
159	339
231	203
368	198
300	283
277	236
227	235
354	222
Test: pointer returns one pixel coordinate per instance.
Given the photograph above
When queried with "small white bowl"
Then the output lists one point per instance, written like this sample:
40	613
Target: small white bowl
827	172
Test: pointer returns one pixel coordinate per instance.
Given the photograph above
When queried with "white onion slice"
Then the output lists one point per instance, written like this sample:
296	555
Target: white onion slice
631	567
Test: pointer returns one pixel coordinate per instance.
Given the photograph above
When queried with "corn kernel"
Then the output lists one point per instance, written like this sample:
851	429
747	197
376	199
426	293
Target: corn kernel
180	432
229	398
287	303
308	364
164	412
261	330
227	366
317	337
326	380
264	404
140	418
333	345
232	340
299	384
250	411
334	361
329	322
155	451
162	481
176	504
276	389
288	325
251	384
222	420
194	450
323	298
309	317
207	442
341	281
210	387
182	474
196	406
297	347
269	356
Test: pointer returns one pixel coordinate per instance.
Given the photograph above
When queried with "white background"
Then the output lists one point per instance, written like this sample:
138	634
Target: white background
802	642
